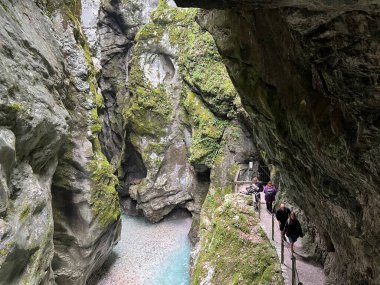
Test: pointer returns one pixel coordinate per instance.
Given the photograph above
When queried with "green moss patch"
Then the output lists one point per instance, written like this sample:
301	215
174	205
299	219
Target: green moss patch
104	199
207	130
233	244
148	109
200	64
208	95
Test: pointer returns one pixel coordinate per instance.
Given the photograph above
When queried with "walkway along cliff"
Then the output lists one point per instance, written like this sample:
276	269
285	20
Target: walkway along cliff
308	75
109	102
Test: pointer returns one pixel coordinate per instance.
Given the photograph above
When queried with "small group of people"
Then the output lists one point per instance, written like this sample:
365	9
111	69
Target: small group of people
256	186
289	225
287	220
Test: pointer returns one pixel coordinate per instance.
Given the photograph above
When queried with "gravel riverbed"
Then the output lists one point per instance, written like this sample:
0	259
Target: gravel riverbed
149	254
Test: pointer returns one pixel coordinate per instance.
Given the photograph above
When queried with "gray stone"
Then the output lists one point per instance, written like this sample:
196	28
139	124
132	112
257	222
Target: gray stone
82	238
314	99
46	112
7	161
33	127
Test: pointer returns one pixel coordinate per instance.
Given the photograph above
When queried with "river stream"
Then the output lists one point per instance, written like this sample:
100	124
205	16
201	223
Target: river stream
149	254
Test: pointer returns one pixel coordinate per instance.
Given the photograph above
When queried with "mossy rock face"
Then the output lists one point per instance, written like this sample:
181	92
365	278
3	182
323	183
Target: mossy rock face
207	95
175	121
148	110
207	130
104	198
312	108
200	64
234	249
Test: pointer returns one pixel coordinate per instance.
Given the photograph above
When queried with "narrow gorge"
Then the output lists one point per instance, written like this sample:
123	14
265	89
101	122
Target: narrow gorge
122	122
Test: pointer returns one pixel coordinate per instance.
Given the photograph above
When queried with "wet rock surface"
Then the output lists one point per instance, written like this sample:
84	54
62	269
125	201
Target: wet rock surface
308	76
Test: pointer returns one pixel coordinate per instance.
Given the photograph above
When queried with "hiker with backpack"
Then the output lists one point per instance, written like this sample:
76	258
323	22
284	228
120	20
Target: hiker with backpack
270	194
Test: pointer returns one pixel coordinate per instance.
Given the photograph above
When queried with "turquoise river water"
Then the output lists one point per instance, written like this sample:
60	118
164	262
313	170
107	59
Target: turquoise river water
149	254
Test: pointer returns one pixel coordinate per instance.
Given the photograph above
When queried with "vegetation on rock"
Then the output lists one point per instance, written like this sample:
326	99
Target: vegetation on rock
234	249
207	94
207	130
148	110
104	199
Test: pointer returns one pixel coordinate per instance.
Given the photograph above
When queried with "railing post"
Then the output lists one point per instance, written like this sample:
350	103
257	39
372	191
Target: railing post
272	227
294	281
236	179
282	249
259	206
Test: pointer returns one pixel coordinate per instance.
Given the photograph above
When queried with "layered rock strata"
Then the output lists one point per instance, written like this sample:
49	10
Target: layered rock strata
308	75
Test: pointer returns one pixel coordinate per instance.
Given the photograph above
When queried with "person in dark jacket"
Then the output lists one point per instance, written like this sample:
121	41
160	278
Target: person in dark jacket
293	230
270	194
282	216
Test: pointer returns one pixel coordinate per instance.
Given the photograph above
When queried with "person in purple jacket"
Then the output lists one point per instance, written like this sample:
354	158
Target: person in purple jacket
270	194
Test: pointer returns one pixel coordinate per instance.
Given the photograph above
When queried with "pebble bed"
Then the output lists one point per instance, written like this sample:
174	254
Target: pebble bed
149	254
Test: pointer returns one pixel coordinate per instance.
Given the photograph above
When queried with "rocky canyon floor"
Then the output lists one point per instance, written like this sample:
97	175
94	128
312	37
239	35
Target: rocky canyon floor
149	254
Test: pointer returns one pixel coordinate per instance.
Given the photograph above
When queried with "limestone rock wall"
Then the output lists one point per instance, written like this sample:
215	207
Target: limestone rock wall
59	214
178	105
98	95
85	203
119	22
308	75
33	127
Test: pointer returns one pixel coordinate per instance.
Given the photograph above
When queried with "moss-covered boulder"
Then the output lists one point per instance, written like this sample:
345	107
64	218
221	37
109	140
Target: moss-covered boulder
233	249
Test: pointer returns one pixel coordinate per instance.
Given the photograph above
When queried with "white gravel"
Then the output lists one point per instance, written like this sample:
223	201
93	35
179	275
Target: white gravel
146	250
